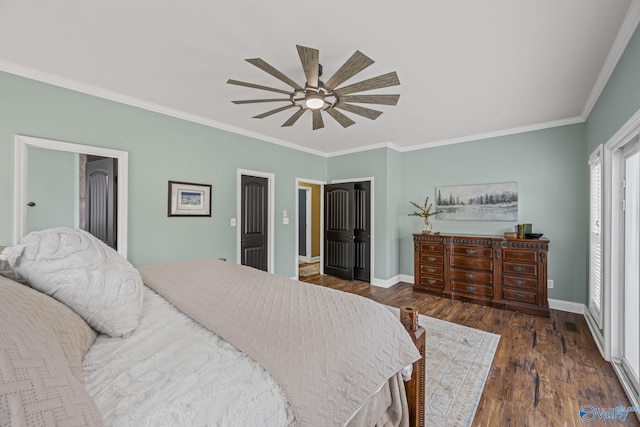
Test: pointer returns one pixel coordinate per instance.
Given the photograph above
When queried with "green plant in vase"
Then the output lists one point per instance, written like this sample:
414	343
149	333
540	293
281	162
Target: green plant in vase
424	212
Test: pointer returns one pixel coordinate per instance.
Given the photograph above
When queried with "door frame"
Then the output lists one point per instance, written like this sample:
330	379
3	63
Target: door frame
271	178
307	257
372	244
21	166
608	340
297	225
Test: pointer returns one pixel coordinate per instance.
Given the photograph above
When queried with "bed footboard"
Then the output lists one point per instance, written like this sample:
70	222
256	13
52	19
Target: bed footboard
415	387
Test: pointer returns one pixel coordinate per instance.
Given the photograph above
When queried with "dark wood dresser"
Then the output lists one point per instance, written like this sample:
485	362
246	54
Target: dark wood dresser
490	270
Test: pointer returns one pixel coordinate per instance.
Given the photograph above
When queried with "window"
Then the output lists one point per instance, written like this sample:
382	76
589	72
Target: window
595	236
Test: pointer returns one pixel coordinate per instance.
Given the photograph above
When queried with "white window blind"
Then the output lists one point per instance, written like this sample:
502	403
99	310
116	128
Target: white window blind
595	236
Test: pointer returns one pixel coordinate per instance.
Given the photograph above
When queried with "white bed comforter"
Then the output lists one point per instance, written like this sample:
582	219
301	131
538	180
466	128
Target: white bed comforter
152	378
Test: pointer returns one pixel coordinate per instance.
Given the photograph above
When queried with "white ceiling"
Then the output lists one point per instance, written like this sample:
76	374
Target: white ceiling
467	68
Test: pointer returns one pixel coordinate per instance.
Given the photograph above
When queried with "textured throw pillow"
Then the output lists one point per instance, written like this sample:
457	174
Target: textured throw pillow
41	343
83	273
7	253
51	322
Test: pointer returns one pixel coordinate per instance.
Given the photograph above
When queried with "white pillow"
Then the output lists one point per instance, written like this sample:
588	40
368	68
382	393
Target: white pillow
85	274
7	253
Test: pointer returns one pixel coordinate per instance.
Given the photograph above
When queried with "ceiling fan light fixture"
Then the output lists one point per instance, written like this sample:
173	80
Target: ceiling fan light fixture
314	101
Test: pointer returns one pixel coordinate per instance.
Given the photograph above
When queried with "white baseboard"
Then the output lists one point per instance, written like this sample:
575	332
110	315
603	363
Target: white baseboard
569	306
406	278
385	283
315	259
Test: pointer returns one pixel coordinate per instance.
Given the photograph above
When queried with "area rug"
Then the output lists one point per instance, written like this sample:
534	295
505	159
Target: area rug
309	269
458	362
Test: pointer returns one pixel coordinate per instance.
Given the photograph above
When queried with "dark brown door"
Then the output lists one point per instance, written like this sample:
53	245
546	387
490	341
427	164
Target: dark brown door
100	198
362	231
347	231
254	222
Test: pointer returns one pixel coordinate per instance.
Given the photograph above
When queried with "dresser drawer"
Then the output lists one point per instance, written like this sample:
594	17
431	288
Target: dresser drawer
516	255
471	288
474	263
472	276
518	295
431	259
432	282
431	270
436	248
520	282
523	269
475	251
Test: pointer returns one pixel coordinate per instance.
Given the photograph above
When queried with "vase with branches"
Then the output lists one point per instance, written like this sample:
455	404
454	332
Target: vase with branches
424	212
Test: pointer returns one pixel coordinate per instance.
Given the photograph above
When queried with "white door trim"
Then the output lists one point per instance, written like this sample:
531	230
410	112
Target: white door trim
20	170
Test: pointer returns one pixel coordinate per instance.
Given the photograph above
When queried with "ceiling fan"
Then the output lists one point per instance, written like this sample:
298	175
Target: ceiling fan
318	96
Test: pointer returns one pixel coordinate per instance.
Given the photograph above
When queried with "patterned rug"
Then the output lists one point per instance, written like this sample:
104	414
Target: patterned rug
458	362
306	270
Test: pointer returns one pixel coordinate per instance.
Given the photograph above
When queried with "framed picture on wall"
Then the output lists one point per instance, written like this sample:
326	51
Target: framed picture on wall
478	202
189	199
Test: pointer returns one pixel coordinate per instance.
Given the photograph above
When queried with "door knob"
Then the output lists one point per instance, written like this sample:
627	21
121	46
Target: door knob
31	204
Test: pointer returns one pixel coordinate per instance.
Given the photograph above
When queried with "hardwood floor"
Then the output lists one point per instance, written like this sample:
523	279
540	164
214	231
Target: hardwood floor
543	371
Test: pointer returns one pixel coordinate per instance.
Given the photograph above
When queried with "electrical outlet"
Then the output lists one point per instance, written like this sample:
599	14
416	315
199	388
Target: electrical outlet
550	283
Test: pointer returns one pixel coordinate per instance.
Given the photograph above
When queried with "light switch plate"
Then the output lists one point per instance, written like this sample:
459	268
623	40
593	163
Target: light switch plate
233	222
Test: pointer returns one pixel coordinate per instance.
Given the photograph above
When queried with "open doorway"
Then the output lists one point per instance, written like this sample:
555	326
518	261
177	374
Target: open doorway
309	219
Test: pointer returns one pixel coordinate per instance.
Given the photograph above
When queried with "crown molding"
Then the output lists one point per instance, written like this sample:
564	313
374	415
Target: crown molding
627	29
389	145
75	86
487	135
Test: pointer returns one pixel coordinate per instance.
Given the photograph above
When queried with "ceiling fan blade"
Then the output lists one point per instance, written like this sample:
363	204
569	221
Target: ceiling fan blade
294	118
371	99
272	89
344	121
385	80
358	62
318	123
310	59
361	111
277	110
254	101
275	73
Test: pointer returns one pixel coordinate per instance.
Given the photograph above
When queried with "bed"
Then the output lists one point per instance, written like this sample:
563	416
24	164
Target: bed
86	339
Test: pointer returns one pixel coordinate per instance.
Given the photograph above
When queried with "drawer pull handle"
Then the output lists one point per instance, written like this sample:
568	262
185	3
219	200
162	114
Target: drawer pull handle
519	296
470	276
519	282
470	261
431	281
471	288
471	251
431	270
431	259
432	248
518	268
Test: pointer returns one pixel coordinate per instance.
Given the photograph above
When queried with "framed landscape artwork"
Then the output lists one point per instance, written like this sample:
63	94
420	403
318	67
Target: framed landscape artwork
480	202
189	199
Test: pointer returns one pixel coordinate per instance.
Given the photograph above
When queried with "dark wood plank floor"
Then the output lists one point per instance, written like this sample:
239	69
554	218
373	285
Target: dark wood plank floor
543	371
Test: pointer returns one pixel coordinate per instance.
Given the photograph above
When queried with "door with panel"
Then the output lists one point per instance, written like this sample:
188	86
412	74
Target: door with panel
348	230
254	222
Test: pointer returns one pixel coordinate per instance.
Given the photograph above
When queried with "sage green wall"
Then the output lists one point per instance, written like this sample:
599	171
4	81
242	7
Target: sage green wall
161	148
548	166
620	98
52	187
